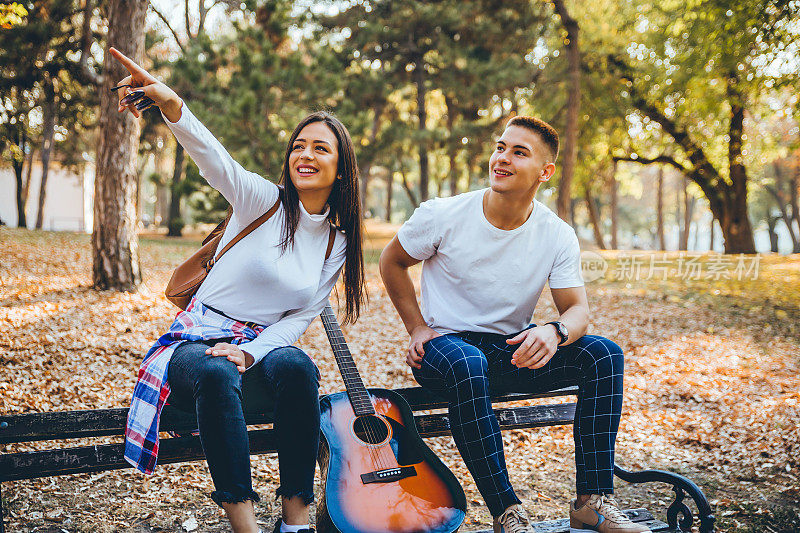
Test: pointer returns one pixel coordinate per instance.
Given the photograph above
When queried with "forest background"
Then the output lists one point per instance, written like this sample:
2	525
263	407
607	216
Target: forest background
679	131
678	120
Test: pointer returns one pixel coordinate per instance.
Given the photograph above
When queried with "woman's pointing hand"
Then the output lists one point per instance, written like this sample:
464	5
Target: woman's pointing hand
139	90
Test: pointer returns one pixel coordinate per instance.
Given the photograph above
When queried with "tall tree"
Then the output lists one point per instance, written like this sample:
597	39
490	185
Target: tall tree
693	73
48	133
594	216
570	140
46	57
688	214
662	241
115	245
613	186
452	68
784	190
16	145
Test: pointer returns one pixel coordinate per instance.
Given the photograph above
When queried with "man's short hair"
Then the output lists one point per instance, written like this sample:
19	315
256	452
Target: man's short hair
547	133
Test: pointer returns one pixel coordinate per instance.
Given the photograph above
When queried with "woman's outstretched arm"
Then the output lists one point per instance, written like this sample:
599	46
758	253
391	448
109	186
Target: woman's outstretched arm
248	193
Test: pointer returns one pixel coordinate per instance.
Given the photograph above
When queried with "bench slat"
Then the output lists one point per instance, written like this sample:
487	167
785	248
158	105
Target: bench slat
30	465
511	418
30	427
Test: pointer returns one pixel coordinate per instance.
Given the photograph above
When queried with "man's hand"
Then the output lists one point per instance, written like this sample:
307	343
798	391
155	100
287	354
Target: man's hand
537	346
232	353
419	336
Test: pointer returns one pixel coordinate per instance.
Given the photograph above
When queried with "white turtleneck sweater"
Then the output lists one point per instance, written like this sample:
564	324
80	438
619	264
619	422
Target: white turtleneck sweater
254	281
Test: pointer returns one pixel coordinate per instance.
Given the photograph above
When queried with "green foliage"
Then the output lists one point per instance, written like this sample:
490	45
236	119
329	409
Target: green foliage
42	40
477	62
474	59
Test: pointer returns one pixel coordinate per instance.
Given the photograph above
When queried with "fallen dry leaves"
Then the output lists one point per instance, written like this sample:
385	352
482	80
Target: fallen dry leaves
712	389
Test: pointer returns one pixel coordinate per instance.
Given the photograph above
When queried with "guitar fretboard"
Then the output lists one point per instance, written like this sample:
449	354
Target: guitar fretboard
359	397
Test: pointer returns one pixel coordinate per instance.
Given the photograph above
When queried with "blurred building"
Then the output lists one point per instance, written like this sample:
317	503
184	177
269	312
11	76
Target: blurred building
68	204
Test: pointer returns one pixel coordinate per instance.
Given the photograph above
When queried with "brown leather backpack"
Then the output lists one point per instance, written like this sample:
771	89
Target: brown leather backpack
190	274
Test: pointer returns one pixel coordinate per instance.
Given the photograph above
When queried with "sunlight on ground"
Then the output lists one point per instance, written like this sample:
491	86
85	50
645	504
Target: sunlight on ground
712	384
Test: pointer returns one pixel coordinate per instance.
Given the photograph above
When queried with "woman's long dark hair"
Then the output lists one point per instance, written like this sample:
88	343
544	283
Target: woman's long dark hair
345	208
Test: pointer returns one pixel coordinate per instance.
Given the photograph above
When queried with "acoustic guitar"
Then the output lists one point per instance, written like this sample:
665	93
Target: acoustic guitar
378	474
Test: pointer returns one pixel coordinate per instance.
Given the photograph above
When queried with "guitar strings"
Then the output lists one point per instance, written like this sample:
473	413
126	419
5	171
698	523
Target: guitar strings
373	425
352	381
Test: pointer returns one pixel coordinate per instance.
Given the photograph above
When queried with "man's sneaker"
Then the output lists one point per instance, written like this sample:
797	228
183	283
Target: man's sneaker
513	520
278	528
601	514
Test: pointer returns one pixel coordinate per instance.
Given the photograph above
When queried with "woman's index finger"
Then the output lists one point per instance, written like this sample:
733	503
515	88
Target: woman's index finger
127	62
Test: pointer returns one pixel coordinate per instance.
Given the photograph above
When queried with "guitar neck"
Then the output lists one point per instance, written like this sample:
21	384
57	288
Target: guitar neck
356	391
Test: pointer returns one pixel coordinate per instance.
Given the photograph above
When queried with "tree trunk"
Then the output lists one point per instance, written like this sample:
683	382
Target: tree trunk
594	216
711	231
614	210
22	221
662	241
26	184
737	232
364	175
794	187
373	136
422	116
48	131
736	227
688	211
678	214
452	150
409	191
389	188
570	139
453	173
773	235
115	245
18	164
787	206
175	222
572	204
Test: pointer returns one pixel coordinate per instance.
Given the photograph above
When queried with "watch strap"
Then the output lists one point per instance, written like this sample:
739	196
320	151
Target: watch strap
561	336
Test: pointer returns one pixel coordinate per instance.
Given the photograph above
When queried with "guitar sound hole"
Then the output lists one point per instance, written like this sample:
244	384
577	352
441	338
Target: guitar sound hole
370	429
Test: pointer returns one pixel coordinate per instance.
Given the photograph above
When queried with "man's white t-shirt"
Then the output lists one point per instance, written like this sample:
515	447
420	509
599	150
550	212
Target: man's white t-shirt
477	277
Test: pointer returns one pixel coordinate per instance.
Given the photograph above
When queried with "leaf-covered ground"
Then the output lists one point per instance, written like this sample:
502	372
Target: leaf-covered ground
712	388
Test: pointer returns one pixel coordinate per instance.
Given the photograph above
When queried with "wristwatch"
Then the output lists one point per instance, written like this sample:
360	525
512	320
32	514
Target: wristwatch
562	331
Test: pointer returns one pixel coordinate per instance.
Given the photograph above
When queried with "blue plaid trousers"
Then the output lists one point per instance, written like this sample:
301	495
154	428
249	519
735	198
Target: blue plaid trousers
466	367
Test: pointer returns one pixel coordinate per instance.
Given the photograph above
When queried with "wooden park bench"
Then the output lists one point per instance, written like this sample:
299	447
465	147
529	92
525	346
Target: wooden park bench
20	428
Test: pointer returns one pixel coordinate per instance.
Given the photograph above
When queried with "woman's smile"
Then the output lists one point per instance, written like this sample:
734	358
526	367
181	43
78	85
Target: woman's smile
306	170
314	158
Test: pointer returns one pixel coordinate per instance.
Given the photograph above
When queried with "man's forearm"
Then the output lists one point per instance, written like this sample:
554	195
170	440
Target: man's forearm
401	291
576	318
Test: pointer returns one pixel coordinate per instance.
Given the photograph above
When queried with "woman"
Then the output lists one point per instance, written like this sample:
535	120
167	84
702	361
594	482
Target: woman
231	350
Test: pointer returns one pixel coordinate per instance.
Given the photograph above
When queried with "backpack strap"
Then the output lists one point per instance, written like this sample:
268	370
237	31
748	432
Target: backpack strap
246	231
331	239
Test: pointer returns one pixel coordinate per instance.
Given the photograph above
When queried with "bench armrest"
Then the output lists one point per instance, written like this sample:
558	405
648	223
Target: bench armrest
681	486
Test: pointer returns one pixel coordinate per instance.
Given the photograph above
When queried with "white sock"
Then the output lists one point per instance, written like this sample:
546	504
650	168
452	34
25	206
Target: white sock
286	528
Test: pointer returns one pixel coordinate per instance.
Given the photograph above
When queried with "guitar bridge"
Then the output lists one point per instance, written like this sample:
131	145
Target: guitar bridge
388	475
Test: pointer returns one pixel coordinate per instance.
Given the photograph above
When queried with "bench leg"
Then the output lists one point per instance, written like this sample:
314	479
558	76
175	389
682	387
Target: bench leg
2	525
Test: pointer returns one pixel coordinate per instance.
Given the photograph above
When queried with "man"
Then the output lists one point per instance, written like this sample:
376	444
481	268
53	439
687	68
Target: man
486	257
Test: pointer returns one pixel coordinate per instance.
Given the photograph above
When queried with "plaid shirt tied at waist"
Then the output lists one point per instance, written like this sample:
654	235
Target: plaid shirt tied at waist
196	323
